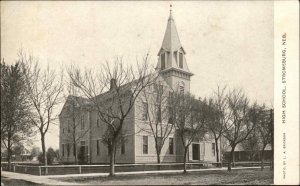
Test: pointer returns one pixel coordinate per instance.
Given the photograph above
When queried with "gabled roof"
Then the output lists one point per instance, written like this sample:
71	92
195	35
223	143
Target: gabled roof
81	101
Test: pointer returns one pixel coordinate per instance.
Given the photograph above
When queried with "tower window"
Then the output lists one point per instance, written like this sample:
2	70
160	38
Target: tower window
180	60
181	89
163	62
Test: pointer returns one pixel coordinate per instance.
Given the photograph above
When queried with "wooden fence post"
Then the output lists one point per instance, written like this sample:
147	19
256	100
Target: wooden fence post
40	171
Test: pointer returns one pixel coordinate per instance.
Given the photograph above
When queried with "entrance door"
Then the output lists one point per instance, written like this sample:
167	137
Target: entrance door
196	151
82	156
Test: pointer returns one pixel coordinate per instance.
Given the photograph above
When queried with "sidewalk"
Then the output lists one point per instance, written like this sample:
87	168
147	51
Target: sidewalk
34	179
50	179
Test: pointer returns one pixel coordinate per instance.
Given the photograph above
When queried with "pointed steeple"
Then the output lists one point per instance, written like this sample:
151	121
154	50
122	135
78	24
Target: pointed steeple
171	63
171	53
171	40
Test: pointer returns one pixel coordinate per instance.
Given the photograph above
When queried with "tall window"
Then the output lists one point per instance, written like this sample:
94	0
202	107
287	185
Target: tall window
123	146
98	122
63	149
158	107
170	112
82	122
163	62
145	144
159	141
213	149
145	111
98	147
161	89
68	149
180	60
171	146
74	149
69	126
63	130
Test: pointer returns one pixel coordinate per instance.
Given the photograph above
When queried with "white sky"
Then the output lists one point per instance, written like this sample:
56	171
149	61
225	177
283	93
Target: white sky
227	42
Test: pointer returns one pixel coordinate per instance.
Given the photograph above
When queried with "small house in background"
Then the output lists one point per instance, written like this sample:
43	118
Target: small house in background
247	155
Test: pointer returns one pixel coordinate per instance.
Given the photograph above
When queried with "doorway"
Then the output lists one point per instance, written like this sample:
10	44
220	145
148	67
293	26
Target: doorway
196	151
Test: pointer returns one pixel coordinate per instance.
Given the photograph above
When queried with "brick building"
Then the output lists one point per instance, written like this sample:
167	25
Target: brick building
139	147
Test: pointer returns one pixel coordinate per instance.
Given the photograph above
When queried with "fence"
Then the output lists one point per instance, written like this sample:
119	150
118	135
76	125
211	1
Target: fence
83	169
247	163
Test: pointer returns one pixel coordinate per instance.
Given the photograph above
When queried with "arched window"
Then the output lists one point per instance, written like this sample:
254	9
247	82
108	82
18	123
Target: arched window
181	87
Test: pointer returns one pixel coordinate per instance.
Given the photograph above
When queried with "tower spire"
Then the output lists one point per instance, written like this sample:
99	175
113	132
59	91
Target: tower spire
170	17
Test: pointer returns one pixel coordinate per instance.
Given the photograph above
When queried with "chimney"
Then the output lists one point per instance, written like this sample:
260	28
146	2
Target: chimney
113	84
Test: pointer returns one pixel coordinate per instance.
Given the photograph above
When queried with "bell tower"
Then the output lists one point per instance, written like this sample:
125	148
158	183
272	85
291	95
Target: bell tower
171	63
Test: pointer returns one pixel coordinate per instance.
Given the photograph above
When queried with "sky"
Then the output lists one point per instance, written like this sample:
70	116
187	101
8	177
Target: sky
226	42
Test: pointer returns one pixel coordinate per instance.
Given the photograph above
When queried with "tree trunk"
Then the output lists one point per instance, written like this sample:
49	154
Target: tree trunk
44	152
75	153
231	159
158	157
217	149
184	159
262	159
9	150
112	159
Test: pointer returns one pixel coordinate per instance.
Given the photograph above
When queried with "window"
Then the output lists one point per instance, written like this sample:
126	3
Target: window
158	106
74	149
171	146
163	62
82	122
170	112
180	60
82	143
159	141
123	146
145	144
68	149
63	130
145	111
98	147
181	89
161	89
69	126
98	122
63	149
213	149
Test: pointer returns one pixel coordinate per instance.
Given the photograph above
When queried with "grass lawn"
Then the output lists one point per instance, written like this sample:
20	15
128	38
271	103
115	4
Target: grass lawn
249	176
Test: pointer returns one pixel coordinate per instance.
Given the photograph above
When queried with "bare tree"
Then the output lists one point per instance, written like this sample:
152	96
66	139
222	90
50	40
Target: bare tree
156	114
265	131
123	85
44	88
252	144
15	127
239	126
187	114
